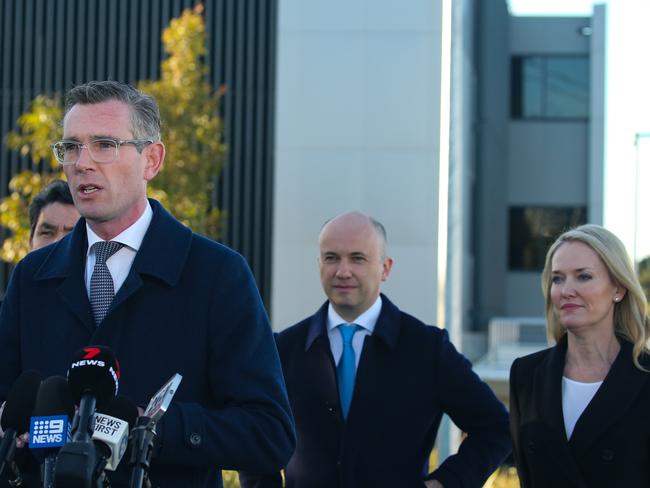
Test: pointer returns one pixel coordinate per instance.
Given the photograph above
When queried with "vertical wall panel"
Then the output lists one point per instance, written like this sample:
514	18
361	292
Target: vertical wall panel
47	46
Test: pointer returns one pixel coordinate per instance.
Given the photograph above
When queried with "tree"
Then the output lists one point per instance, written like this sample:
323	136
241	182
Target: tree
192	129
192	133
38	127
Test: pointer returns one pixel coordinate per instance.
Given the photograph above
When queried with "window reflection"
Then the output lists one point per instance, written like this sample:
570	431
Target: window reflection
533	230
555	87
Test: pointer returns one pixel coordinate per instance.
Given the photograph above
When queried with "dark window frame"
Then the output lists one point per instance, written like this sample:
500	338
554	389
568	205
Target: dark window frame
517	91
527	245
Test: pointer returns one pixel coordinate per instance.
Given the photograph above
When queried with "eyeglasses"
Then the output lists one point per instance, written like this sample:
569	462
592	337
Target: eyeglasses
101	150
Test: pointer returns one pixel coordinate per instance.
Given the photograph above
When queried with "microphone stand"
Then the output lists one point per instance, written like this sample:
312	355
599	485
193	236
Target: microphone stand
142	438
143	434
77	465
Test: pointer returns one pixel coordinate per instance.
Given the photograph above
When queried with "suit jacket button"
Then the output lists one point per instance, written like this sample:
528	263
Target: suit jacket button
195	439
607	454
530	447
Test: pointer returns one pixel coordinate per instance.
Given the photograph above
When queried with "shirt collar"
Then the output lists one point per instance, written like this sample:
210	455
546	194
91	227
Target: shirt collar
367	319
131	237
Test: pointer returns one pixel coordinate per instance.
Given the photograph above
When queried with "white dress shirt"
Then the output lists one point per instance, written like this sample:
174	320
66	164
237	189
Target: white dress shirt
367	320
119	263
575	398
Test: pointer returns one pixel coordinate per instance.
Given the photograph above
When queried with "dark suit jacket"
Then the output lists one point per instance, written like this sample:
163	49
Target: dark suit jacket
189	305
408	375
610	445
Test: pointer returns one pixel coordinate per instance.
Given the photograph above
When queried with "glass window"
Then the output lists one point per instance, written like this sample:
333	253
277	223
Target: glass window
550	87
533	230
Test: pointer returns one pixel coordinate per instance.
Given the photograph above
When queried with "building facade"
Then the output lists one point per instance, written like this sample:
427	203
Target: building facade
540	151
473	135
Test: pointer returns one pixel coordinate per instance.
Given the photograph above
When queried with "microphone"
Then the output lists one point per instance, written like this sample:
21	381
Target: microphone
144	432
15	419
93	377
50	424
112	427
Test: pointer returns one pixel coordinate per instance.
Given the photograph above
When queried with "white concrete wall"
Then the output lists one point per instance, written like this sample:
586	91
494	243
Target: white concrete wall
357	128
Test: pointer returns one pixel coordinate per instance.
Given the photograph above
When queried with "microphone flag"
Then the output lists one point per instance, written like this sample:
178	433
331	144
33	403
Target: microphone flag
49	431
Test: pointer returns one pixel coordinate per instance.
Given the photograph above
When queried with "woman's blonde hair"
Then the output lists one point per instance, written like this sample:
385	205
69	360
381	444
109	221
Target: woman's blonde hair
630	314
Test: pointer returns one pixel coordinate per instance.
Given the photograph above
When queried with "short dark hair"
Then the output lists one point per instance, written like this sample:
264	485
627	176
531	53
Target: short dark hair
145	114
55	192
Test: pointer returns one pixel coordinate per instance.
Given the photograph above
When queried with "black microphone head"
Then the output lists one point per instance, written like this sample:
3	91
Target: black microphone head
20	402
94	370
122	408
54	398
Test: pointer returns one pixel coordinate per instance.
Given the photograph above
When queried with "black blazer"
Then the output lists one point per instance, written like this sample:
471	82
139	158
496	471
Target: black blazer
408	375
610	445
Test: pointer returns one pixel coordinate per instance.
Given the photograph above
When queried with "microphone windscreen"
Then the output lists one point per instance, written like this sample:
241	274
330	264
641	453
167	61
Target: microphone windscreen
54	398
94	370
122	408
20	402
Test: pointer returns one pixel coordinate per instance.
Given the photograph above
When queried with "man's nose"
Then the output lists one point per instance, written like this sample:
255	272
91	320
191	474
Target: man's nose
343	269
85	159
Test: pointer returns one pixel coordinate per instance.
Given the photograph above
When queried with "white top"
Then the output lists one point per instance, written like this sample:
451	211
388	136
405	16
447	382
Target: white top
366	320
119	263
575	398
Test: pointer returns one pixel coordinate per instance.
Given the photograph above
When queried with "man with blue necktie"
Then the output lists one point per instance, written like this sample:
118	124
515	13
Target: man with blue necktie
368	384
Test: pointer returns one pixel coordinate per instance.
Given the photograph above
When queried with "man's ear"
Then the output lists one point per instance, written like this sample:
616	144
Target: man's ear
155	156
387	266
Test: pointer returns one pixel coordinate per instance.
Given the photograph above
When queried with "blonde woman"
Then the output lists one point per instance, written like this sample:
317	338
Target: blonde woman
580	411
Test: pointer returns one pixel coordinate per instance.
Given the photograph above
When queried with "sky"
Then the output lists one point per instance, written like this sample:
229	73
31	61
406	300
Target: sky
627	109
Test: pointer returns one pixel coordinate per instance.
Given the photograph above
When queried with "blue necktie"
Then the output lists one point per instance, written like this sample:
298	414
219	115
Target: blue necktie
346	369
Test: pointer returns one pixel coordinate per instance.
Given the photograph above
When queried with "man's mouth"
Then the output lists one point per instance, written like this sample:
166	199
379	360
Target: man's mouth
86	190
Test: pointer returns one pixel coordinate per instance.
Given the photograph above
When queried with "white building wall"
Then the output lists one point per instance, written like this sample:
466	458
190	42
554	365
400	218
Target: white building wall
358	123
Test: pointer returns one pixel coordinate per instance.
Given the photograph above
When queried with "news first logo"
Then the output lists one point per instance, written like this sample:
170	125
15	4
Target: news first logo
51	431
107	425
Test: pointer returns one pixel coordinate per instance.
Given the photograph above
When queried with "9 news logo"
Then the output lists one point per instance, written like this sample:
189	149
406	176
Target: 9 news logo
51	431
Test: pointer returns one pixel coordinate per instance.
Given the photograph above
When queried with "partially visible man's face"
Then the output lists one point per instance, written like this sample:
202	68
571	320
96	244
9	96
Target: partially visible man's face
351	264
110	196
54	222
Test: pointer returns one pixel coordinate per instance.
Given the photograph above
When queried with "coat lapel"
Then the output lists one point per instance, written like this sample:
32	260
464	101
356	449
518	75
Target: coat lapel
548	388
319	364
369	389
66	262
548	403
162	254
612	400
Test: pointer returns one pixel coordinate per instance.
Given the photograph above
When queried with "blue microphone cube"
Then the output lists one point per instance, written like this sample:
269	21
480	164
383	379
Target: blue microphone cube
48	432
